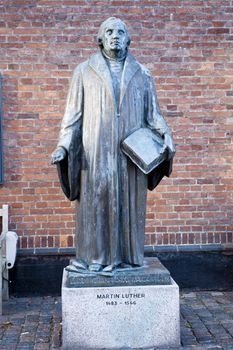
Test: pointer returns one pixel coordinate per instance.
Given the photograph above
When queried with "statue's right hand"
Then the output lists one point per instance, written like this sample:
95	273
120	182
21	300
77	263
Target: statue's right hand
58	155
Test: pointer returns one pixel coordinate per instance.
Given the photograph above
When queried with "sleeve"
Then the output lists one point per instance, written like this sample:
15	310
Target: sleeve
72	119
153	115
155	121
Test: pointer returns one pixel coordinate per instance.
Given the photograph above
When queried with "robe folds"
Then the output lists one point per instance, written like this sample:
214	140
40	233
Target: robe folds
110	189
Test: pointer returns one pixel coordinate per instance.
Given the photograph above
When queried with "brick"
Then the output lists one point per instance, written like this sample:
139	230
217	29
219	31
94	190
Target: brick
218	31
188	54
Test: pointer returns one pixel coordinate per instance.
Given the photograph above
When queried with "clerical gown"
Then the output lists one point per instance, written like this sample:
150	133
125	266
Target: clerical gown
111	190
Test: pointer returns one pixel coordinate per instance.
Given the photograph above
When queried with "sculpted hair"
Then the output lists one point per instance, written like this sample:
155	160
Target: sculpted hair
103	27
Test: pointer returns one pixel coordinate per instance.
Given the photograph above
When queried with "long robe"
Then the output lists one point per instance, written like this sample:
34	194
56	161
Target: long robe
111	189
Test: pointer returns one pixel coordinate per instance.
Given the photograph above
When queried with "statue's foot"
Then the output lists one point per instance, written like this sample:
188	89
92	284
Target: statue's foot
80	264
126	266
109	268
95	267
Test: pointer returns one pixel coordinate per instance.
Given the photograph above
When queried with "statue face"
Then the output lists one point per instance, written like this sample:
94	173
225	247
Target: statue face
115	37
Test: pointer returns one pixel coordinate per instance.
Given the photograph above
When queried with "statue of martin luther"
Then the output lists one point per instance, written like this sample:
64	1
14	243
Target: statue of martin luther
110	96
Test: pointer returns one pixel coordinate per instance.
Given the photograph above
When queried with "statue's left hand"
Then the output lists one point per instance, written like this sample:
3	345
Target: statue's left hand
168	142
58	155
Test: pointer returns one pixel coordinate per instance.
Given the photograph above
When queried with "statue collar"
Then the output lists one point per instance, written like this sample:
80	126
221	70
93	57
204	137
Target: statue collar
98	63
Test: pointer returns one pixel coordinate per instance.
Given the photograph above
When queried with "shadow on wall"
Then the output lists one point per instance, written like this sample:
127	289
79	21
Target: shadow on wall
200	271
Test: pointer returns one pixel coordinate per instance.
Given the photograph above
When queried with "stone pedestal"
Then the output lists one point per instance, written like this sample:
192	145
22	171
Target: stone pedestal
120	317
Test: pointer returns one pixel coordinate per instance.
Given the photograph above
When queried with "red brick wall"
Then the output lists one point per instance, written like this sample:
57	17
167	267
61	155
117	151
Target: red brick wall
187	45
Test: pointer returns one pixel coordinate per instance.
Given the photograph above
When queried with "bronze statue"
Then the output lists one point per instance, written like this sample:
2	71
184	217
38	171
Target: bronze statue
111	95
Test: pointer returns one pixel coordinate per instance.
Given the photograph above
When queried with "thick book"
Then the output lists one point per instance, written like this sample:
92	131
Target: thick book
145	148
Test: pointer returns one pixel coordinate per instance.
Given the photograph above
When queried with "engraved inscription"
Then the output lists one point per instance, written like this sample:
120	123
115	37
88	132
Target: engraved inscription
120	298
122	280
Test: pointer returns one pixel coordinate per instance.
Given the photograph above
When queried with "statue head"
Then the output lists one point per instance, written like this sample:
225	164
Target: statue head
113	36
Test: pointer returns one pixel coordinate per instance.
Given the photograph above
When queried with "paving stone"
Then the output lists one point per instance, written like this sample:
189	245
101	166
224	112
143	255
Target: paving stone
41	346
214	294
189	340
205	340
35	323
25	346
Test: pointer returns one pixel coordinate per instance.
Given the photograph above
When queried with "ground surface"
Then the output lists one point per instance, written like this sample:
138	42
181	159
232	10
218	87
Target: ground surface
35	323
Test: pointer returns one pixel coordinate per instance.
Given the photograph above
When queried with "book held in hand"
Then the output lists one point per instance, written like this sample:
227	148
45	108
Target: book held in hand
145	148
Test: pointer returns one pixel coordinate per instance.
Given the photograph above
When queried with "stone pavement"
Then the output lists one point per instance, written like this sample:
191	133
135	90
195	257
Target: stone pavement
35	323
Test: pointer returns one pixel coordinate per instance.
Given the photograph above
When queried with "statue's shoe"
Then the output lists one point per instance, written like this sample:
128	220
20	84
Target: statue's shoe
109	268
80	264
126	266
95	267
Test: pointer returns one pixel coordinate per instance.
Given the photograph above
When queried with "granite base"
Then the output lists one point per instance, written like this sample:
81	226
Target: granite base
120	317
